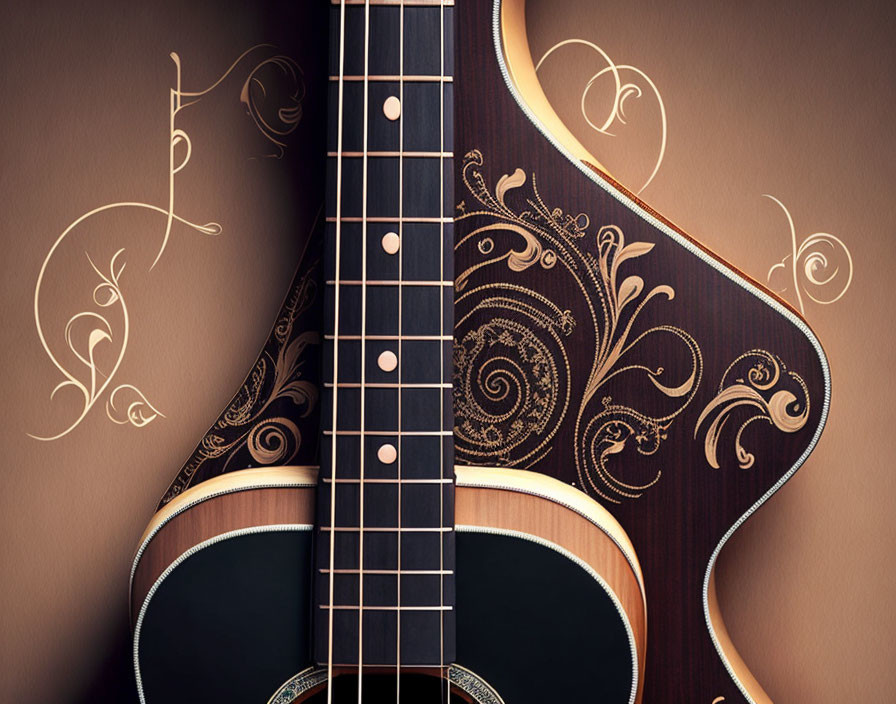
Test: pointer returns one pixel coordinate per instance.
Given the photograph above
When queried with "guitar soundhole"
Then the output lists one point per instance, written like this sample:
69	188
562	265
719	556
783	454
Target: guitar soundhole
310	687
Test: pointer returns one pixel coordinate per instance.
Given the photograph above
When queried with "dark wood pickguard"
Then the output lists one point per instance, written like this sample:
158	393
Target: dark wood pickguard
534	311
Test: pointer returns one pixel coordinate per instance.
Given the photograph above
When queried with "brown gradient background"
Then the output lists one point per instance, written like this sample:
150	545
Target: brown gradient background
794	100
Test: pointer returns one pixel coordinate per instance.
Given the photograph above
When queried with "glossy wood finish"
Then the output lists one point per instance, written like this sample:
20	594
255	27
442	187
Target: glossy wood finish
539	508
676	524
534	513
231	502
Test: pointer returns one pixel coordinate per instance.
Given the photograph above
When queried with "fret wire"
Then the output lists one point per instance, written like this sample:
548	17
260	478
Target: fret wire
383	155
396	3
385	385
382	529
327	480
396	79
387	282
391	433
391	338
365	607
385	665
387	219
414	573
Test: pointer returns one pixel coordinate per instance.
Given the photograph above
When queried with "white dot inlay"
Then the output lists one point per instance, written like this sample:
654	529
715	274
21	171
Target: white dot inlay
387	454
387	361
391	242
392	108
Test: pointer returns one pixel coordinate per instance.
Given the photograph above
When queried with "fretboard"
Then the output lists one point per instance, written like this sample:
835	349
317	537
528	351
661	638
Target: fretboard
385	549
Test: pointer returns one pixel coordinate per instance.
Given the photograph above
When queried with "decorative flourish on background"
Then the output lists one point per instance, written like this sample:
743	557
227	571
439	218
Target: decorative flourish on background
758	383
138	411
623	91
273	119
813	267
88	334
512	374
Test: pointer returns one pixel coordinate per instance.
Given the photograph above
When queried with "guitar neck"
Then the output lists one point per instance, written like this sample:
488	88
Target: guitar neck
385	506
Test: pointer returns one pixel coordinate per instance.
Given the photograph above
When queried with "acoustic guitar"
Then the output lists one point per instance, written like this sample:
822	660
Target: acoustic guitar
544	409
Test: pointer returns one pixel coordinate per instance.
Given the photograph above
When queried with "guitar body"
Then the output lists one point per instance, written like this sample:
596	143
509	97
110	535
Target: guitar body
222	594
641	397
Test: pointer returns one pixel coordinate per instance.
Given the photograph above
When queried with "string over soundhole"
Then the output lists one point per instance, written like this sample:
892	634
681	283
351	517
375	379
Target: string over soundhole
422	687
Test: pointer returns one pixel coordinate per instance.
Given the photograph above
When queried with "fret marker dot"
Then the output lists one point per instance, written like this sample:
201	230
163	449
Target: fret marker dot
392	108
391	242
387	361
387	453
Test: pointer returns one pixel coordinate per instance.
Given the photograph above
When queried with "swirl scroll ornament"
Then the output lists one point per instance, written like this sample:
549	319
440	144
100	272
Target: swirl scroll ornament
624	89
813	265
276	114
261	424
756	386
138	411
94	342
512	373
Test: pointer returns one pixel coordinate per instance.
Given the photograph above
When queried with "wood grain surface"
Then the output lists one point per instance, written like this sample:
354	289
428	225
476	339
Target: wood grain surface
676	523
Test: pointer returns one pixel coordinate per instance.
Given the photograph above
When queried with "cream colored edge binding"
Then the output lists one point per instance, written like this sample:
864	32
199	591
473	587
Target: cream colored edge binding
520	481
242	480
633	651
515	22
278	528
545	487
521	72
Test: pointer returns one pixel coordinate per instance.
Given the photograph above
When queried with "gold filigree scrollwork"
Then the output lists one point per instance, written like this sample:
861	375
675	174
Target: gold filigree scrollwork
95	341
758	386
820	266
622	91
509	387
512	373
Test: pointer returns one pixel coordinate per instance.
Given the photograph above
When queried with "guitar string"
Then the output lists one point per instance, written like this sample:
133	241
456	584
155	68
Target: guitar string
363	335
441	488
363	351
337	274
400	349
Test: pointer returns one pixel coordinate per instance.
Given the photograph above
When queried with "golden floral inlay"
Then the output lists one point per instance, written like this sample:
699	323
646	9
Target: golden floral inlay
512	386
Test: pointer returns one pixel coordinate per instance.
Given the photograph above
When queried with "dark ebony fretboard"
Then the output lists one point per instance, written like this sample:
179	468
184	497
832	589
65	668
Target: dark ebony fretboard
386	492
